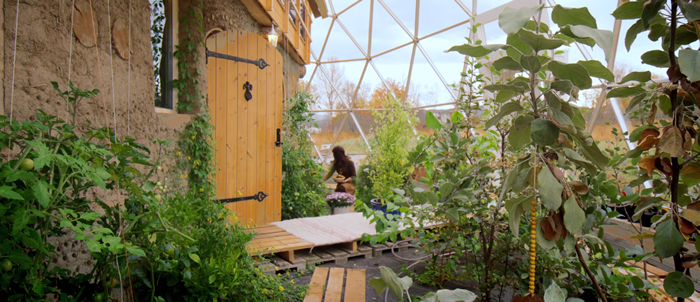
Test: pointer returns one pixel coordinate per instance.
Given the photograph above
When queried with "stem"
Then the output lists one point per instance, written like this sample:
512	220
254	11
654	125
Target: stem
677	263
590	274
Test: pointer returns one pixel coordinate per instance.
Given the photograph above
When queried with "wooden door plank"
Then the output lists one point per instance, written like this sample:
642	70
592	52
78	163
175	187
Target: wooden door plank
211	74
317	285
252	126
263	137
220	112
355	285
279	97
231	122
242	144
270	123
336	278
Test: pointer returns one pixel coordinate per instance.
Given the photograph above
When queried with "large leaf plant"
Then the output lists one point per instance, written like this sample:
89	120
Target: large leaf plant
667	149
547	129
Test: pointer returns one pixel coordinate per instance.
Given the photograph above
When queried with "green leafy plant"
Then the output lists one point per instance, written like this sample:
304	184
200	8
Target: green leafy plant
389	280
386	163
302	189
667	145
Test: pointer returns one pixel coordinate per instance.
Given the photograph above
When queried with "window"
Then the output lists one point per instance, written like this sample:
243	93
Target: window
162	47
293	14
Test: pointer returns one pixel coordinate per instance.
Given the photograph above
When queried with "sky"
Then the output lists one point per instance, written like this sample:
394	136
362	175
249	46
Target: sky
435	15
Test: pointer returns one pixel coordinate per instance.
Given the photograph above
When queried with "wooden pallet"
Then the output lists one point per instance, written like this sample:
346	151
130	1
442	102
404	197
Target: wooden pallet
330	285
271	239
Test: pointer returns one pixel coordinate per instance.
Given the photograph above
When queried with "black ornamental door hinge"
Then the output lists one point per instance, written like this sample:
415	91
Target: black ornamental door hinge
260	196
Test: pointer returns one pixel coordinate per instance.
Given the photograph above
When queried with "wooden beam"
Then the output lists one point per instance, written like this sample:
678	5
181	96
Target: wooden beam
258	12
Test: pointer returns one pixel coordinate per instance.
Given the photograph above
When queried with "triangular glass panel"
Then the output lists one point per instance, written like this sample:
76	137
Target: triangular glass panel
340	46
404	10
386	33
356	21
435	17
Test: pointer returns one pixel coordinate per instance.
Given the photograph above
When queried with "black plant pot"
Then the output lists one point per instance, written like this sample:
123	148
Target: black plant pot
378	206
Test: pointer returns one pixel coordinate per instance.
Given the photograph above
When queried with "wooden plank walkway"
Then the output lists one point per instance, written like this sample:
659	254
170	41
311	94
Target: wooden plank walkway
331	285
272	239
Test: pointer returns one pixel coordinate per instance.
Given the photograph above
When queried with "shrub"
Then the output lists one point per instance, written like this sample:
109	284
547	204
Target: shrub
152	242
302	189
387	167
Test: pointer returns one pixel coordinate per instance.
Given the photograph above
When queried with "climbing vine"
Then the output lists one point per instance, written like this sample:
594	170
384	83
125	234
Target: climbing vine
197	142
187	54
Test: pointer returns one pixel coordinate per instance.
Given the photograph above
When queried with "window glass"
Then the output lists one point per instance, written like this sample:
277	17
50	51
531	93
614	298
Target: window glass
162	49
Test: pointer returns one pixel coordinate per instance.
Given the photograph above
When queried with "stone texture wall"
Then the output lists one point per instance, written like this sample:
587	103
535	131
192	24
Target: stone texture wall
45	45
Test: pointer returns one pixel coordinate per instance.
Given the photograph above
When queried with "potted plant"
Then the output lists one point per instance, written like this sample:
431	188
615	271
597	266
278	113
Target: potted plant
340	202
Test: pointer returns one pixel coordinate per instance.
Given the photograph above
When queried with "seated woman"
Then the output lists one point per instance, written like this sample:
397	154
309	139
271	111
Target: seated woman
346	168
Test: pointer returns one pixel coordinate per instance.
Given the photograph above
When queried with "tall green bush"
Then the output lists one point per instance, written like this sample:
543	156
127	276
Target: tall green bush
387	163
302	188
150	241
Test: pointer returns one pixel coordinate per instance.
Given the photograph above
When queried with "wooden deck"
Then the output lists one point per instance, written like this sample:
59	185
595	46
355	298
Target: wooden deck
272	239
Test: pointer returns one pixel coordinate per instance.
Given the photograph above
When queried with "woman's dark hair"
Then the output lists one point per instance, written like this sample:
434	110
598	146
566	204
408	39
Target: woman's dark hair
343	161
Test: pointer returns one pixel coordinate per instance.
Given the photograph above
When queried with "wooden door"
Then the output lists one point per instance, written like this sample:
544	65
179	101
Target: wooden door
246	131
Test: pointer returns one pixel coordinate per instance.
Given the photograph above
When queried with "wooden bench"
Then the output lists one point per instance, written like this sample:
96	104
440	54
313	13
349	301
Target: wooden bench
328	285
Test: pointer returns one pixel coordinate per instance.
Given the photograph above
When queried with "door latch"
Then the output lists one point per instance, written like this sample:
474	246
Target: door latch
279	142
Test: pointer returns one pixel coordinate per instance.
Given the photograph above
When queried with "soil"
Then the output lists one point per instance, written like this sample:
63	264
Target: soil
371	267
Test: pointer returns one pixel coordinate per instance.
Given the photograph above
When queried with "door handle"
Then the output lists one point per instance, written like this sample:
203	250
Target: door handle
279	142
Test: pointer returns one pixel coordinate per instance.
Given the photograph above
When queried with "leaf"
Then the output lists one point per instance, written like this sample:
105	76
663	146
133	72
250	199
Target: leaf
629	10
602	37
516	44
689	62
135	250
671	142
658	58
636	135
531	63
456	117
7	192
506	109
692	216
650	10
41	191
625	92
387	279
455	295
511	20
507	63
504	95
515	211
667	239
593	153
561	118
678	284
633	32
519	137
579	187
501	87
690	11
554	293
431	121
21	219
574	217
579	160
194	257
647	164
575	72
635	101
648	139
476	50
573	16
549	189
563	86
544	132
538	41
598	70
639	76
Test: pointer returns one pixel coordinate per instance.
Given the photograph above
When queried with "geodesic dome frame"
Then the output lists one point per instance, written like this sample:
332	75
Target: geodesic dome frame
320	70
